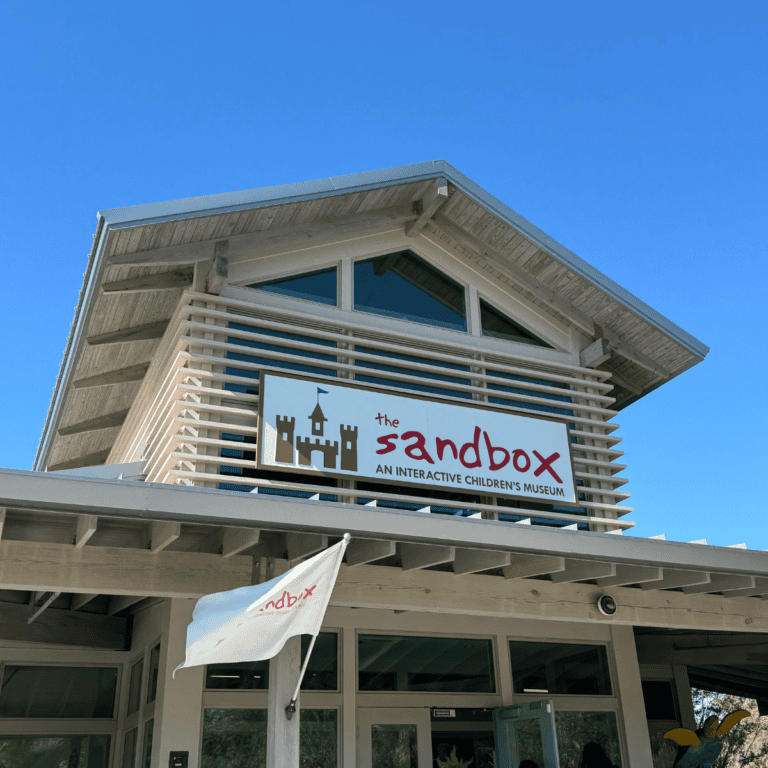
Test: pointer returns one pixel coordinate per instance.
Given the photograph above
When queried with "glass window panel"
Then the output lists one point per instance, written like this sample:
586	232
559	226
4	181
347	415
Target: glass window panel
154	666
134	691
318	738
593	732
234	738
129	748
404	286
394	746
427	664
317	286
529	741
146	752
46	751
560	668
82	692
321	674
496	324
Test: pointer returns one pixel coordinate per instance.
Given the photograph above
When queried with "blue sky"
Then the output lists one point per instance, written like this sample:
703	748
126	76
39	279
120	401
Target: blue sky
634	136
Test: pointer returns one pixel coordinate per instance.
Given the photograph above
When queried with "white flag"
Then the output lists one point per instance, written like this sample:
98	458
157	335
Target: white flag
253	623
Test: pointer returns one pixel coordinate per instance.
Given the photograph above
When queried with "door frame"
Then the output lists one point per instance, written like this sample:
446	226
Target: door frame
418	716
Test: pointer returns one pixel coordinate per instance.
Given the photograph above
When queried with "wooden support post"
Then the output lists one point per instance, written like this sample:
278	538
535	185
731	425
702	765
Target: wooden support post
282	733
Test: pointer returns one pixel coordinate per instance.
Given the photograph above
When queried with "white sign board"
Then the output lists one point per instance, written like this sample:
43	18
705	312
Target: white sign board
346	431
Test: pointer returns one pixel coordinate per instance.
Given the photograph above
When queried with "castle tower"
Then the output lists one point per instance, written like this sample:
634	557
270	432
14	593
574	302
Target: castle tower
348	448
318	418
284	448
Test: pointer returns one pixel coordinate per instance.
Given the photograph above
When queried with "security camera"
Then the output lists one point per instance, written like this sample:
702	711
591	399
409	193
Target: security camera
606	605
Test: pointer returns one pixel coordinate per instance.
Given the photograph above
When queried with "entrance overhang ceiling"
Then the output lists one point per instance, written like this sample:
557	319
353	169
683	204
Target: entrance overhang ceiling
644	349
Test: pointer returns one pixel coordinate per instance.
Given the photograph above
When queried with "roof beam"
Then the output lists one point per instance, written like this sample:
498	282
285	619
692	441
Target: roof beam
362	551
301	545
85	527
621	347
721	582
28	565
418	556
617	378
595	354
241	244
236	540
118	376
674	578
477	560
119	603
88	460
630	574
62	627
524	566
81	599
522	278
137	333
107	421
582	570
161	534
436	198
162	281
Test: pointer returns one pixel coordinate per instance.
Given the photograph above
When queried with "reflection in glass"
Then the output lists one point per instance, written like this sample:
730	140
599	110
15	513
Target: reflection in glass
528	741
429	664
312	286
146	758
404	286
318	738
234	738
560	668
56	751
82	692
394	746
134	691
576	729
129	748
499	326
321	674
154	666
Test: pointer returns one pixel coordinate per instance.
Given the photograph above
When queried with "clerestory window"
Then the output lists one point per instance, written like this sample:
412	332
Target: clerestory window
320	286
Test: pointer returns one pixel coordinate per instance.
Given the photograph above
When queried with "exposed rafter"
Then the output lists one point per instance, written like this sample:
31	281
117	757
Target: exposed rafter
119	376
163	281
121	602
522	278
81	599
436	198
88	460
161	534
362	551
621	347
85	527
137	333
595	354
240	245
107	421
236	540
624	383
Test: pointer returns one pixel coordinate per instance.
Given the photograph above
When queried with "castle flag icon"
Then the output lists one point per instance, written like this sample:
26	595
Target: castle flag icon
343	450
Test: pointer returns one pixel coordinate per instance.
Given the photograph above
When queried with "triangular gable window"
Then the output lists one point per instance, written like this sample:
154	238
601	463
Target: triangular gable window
499	326
405	286
311	286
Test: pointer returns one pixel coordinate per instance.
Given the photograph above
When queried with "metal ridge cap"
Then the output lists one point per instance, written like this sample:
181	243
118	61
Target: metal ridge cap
50	491
149	213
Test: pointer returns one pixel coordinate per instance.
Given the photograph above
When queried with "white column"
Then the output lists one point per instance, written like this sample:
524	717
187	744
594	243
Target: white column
349	700
630	693
282	733
178	718
684	696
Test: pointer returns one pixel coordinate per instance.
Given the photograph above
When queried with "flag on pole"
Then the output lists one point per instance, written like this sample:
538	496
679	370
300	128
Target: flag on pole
253	623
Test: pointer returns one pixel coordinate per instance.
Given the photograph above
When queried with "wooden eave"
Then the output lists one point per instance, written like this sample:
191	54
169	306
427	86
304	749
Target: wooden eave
514	257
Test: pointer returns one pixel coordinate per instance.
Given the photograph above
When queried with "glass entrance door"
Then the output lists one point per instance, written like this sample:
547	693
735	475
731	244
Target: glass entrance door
526	732
397	737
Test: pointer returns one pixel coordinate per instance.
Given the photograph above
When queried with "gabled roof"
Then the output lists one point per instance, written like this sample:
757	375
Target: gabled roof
646	349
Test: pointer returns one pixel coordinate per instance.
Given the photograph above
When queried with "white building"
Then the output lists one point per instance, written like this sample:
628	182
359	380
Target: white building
472	582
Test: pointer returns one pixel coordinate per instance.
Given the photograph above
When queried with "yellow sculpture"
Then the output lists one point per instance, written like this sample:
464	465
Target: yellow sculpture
705	748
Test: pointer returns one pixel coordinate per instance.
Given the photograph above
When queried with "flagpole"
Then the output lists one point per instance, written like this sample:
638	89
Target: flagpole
291	708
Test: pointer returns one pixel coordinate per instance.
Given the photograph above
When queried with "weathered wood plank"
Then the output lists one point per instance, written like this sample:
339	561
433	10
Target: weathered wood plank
119	376
62	627
137	333
30	565
107	421
163	281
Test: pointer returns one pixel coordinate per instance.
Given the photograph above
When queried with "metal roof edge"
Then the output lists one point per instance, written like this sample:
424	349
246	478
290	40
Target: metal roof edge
286	193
